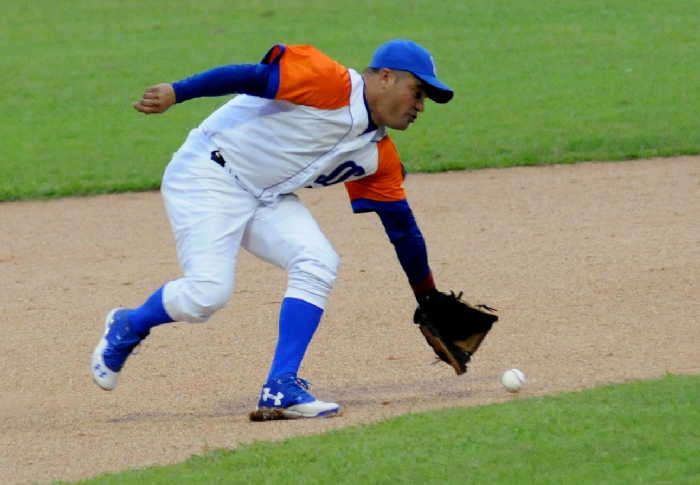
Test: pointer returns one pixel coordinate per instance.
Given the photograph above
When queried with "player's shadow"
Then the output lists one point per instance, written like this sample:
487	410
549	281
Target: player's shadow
455	389
222	409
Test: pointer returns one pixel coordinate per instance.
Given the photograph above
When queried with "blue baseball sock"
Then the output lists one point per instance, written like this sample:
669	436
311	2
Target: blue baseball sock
298	322
149	315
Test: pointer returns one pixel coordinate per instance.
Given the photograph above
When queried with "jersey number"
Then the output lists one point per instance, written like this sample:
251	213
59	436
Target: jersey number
341	173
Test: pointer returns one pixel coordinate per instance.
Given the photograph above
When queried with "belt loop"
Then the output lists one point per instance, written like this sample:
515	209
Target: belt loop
216	156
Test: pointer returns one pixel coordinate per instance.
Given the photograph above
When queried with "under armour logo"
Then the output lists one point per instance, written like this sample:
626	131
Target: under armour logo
277	397
101	374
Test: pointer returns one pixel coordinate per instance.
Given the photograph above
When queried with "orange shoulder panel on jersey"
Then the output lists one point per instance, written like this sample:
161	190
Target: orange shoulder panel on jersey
386	184
309	77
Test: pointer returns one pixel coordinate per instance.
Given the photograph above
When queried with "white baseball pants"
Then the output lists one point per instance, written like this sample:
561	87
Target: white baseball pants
212	217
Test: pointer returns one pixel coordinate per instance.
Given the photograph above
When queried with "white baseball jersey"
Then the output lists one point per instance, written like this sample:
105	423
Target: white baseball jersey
313	133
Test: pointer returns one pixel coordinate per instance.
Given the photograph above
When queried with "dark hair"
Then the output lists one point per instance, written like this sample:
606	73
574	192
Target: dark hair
375	70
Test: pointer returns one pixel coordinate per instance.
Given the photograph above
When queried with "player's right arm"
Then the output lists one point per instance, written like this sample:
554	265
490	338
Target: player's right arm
298	74
251	79
232	79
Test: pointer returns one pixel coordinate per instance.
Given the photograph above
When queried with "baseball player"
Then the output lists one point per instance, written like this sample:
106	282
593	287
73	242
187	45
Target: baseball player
300	120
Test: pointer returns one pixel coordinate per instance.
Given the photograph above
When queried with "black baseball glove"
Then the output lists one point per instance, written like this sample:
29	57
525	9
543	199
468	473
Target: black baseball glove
452	327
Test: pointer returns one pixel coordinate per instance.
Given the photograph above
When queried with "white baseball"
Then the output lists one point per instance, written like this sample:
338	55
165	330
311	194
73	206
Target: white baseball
513	380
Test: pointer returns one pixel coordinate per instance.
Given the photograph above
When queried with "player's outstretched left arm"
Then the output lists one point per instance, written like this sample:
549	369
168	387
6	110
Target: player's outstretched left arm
156	99
452	327
403	232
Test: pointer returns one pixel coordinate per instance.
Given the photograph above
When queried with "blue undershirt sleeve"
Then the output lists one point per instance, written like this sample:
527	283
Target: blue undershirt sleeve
254	79
403	232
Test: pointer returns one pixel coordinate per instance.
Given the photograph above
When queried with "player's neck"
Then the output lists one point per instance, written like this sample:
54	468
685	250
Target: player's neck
371	98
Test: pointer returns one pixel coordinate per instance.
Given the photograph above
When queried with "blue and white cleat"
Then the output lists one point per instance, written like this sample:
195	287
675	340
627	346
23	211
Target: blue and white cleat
286	397
115	346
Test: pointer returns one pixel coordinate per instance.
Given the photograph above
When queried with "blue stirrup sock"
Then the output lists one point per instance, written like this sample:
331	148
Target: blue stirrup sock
149	315
297	325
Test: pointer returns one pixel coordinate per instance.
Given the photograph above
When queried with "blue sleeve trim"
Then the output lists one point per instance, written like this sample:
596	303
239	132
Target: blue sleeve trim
272	59
273	81
253	79
274	54
367	205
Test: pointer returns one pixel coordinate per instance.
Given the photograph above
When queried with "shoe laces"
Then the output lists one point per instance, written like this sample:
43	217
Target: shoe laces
296	384
303	383
123	339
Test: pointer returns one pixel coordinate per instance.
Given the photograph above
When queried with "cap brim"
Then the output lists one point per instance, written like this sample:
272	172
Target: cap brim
436	89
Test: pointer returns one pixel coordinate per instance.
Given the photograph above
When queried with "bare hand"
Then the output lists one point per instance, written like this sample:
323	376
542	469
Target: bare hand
156	99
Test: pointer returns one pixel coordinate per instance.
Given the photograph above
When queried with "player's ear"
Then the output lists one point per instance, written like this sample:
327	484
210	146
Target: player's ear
385	75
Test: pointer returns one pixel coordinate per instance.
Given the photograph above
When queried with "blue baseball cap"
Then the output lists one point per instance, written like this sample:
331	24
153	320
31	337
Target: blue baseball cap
406	55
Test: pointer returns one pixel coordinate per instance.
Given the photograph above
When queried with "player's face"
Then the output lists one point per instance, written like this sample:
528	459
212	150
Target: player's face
402	99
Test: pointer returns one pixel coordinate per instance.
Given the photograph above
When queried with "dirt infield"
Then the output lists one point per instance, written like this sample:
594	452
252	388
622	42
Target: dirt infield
594	268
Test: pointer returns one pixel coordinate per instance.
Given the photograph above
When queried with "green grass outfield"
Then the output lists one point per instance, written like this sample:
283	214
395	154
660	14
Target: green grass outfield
645	432
536	82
